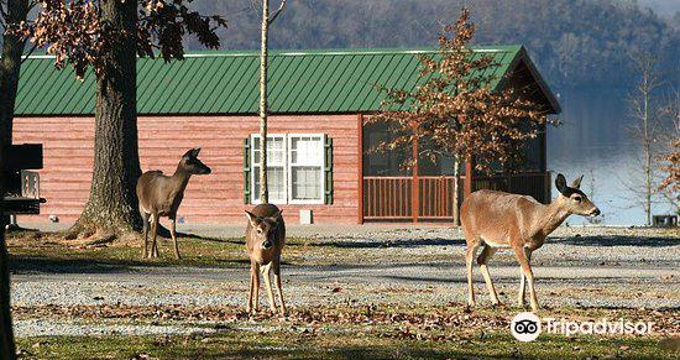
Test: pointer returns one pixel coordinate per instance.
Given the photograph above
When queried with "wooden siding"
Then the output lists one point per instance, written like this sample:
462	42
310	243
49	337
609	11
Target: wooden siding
217	198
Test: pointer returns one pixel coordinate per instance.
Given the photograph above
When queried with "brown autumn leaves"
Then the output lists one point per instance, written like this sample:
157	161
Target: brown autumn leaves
672	167
75	32
454	110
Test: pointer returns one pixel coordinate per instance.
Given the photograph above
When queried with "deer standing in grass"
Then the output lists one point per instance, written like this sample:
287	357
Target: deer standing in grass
265	237
494	219
160	195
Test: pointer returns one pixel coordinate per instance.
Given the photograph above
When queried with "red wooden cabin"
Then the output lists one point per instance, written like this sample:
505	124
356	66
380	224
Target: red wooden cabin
317	159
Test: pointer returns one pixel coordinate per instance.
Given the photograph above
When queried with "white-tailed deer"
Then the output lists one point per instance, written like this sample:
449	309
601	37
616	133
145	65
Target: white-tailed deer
265	237
161	195
494	219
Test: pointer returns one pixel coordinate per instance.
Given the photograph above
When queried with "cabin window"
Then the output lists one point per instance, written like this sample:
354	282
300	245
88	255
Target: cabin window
295	165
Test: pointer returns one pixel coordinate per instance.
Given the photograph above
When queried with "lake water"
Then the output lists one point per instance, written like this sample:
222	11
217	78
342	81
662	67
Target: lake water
595	141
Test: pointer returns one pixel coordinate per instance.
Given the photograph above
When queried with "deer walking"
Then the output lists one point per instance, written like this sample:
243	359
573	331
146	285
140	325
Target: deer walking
265	237
160	195
494	219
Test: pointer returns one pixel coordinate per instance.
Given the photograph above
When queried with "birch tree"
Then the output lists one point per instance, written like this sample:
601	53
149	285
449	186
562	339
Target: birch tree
267	20
454	110
645	112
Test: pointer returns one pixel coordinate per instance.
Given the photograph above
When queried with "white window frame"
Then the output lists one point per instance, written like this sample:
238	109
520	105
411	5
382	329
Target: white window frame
256	174
288	169
322	174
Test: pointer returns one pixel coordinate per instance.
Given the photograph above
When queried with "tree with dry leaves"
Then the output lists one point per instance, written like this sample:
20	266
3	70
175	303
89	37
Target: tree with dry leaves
672	181
647	110
456	113
106	36
670	161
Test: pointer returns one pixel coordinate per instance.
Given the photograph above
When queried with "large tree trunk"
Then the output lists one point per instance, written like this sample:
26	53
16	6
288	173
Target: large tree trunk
113	206
264	191
12	48
10	66
7	347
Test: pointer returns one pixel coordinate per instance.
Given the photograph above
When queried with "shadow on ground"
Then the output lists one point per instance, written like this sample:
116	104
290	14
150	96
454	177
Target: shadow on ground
43	264
364	244
618	240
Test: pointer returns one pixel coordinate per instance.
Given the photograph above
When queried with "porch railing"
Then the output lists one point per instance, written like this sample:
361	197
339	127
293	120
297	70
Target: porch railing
393	198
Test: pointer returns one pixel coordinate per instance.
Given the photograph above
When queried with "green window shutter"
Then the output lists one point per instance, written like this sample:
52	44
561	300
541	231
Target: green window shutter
246	171
328	169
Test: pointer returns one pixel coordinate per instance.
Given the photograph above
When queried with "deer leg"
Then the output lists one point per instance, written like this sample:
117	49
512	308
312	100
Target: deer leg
471	250
522	281
173	234
265	270
253	275
487	253
145	234
522	286
256	288
526	269
154	232
277	279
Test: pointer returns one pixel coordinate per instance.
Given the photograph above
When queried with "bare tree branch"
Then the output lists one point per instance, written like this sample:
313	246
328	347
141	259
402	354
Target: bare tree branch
32	4
30	51
3	11
278	11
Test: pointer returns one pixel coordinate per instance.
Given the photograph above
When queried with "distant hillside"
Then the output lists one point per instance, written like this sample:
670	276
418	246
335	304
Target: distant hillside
576	43
662	7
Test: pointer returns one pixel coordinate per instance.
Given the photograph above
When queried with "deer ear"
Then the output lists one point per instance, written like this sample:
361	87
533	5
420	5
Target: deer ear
251	217
195	151
561	183
576	184
276	216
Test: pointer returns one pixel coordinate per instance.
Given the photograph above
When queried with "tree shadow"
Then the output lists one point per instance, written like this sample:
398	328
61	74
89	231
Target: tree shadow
26	264
618	240
403	349
363	244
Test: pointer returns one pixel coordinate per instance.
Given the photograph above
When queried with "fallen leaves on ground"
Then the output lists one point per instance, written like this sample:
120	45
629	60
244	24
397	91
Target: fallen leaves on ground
433	323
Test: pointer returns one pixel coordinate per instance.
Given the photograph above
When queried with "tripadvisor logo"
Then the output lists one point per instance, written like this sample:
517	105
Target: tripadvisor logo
526	327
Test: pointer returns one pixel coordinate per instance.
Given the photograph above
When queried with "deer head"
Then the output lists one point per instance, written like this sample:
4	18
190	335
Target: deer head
263	230
573	199
192	165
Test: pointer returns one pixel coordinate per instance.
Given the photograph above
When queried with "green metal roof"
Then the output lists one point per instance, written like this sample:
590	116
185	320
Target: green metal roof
226	82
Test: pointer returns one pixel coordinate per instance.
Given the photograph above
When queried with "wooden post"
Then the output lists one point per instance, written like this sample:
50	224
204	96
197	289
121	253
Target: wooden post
467	186
547	186
415	188
360	168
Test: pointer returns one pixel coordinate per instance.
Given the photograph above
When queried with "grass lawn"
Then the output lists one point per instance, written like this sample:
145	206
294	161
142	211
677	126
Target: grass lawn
362	332
354	343
30	249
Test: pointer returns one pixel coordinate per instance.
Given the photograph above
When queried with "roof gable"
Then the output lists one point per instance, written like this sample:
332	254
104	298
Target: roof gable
227	82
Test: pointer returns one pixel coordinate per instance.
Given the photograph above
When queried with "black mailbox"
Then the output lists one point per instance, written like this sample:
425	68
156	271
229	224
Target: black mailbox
24	157
22	187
